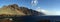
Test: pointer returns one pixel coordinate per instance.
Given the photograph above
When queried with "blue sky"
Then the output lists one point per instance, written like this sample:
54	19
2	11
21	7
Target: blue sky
52	6
45	4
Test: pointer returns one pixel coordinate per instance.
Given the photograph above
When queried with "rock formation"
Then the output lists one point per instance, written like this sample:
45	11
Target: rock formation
14	9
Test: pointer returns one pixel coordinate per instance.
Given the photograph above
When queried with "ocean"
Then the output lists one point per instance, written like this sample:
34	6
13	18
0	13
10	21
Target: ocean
37	18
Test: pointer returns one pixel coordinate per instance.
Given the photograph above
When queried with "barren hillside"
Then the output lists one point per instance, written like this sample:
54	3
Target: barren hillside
14	9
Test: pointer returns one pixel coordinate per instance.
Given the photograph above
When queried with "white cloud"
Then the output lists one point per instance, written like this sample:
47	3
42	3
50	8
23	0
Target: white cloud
57	12
41	10
34	2
48	12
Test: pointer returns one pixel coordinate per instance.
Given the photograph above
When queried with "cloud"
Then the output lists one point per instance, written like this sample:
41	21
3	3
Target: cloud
34	2
48	12
57	12
41	10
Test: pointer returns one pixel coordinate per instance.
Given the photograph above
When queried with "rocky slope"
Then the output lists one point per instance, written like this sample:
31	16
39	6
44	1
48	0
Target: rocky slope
14	9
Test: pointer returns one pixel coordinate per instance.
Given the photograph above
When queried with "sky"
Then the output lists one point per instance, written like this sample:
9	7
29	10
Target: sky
49	7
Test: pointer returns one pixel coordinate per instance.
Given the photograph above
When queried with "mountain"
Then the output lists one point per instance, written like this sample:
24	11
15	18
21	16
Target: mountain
11	10
14	9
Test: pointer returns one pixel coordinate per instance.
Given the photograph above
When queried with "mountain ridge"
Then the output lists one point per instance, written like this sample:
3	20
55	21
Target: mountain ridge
15	9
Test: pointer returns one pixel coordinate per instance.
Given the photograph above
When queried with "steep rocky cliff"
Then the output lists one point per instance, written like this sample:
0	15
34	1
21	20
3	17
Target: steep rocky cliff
14	9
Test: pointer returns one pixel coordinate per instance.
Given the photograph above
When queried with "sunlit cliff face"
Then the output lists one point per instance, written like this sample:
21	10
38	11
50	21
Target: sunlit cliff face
16	10
11	10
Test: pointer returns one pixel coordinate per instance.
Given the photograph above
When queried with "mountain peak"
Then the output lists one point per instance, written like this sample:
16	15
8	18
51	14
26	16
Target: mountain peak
13	6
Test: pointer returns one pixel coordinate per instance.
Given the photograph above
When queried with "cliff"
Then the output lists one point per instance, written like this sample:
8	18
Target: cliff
14	9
